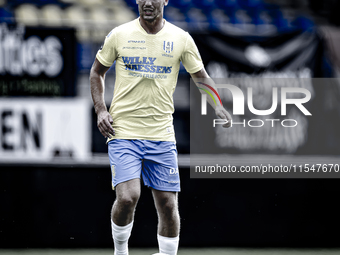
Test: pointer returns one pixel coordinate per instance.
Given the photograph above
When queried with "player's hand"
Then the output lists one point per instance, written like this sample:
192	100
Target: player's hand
223	114
104	123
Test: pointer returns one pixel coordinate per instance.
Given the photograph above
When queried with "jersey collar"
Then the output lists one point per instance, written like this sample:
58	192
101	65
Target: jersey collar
144	32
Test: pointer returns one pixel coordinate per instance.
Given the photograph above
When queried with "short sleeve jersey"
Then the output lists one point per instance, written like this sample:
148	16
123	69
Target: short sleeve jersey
147	67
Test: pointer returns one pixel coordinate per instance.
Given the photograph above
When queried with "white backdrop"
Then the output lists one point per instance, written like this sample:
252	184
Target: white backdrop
40	130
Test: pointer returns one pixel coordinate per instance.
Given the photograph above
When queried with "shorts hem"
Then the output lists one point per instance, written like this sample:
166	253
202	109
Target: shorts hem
124	180
163	188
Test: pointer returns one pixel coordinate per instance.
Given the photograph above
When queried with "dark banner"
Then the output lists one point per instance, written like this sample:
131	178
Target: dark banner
37	61
270	73
291	54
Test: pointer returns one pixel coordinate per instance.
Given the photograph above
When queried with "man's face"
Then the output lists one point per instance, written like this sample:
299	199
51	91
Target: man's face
149	10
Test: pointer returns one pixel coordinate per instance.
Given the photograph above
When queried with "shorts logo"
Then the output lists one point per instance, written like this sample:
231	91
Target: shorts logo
168	46
173	170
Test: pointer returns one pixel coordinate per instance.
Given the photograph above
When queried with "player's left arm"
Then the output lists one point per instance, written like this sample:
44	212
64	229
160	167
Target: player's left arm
207	86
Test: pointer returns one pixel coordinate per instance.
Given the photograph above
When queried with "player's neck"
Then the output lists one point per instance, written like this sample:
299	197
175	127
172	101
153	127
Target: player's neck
154	26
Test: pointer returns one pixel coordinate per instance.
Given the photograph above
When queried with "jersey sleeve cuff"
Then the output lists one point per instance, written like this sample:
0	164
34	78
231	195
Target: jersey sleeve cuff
102	61
195	70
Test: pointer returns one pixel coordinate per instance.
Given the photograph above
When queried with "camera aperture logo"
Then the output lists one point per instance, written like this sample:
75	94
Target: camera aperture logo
239	106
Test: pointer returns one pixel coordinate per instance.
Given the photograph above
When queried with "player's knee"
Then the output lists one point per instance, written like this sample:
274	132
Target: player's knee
168	206
128	201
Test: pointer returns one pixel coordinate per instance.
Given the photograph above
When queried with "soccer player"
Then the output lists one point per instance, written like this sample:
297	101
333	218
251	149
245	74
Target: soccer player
139	125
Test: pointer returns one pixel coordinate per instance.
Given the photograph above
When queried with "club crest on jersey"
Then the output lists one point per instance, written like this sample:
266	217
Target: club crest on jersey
168	46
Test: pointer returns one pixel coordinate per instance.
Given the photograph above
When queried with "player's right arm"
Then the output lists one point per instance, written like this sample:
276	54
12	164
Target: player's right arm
97	81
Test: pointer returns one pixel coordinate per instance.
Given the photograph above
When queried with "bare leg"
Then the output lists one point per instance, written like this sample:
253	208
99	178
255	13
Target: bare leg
127	195
167	209
168	221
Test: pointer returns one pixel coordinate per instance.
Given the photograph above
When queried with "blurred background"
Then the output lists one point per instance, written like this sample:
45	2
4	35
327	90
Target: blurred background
55	189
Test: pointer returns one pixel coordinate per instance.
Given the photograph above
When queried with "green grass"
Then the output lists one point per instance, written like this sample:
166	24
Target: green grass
182	251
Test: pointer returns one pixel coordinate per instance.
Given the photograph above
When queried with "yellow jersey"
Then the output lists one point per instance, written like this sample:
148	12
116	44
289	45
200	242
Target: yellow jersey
147	67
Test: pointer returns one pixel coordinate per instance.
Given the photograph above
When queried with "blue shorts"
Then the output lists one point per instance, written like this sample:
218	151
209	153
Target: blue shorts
154	161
